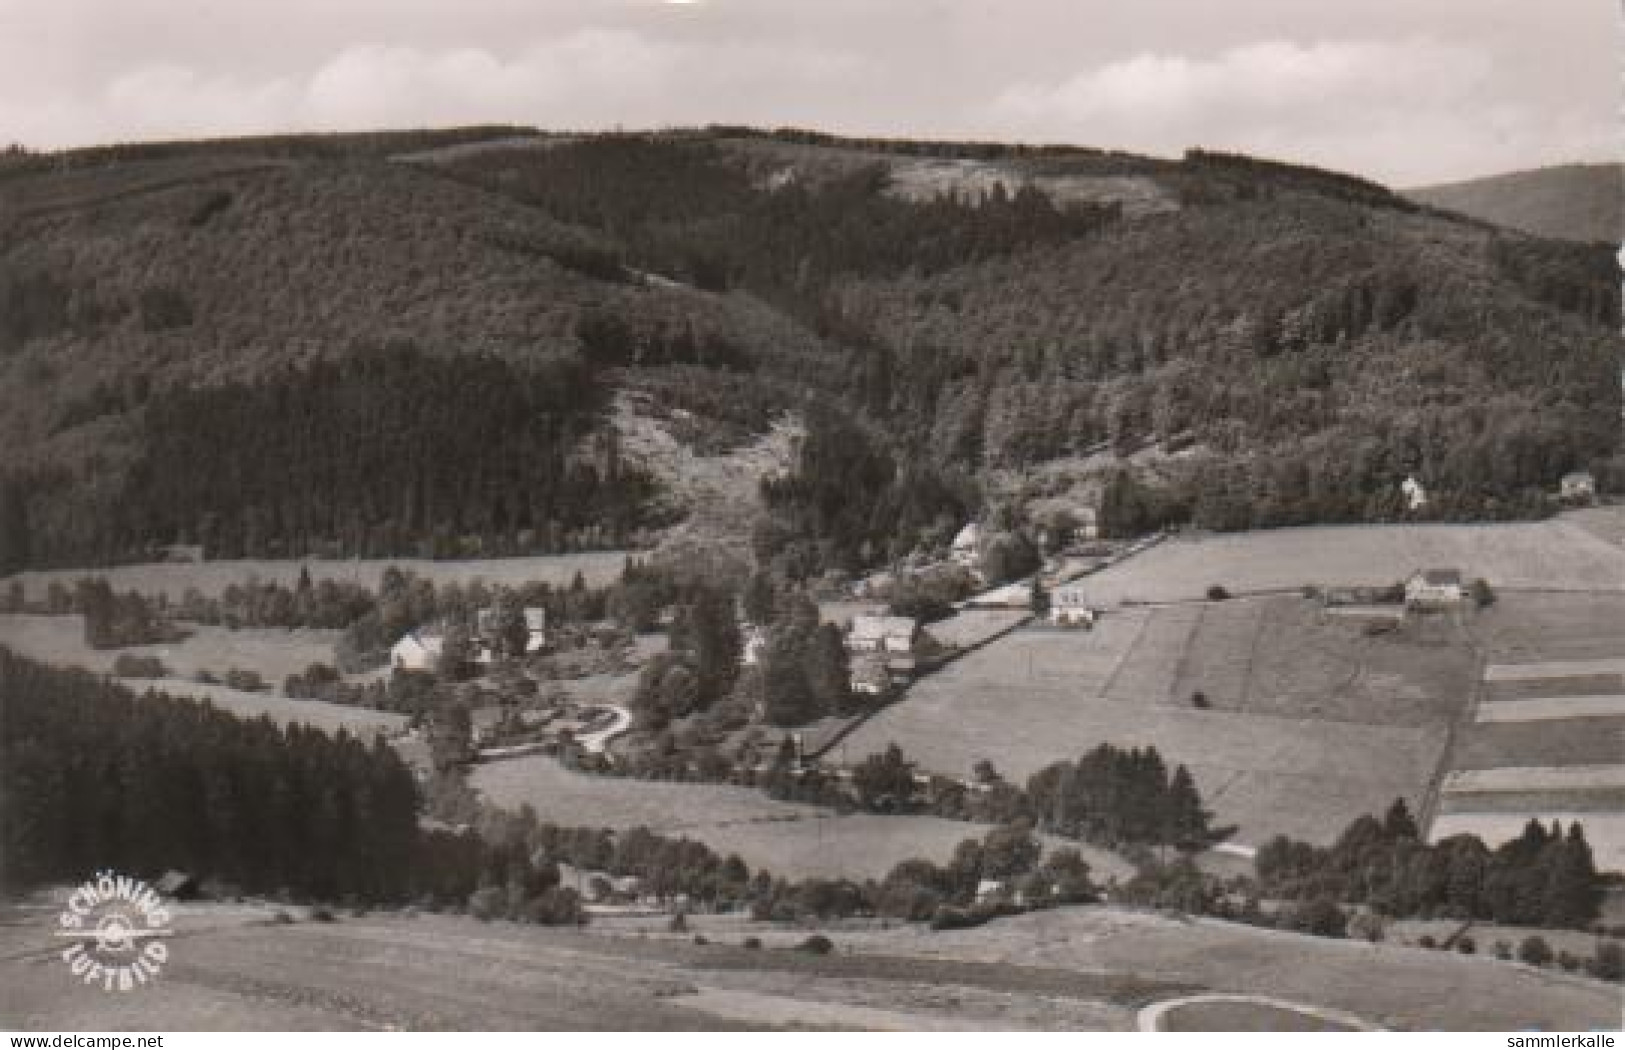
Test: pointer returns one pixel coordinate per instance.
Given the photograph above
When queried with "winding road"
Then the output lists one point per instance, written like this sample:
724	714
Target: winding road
596	742
1151	1018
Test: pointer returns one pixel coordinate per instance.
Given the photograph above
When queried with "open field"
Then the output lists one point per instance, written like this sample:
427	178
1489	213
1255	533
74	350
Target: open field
1536	778
974	626
1310	723
1559	708
1552	555
1274	656
1054	657
210	578
1605	523
1533	627
1536	800
1070	969
1549	688
863	845
1548	738
564	796
787	838
1549	670
1266	774
272	652
1385	985
359	721
1604	831
1280	656
1552	742
1150	667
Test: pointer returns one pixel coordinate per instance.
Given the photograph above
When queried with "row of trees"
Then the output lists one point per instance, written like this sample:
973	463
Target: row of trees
1117	796
1544	877
113	620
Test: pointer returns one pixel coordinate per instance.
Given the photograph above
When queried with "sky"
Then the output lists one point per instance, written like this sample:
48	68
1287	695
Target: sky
1409	92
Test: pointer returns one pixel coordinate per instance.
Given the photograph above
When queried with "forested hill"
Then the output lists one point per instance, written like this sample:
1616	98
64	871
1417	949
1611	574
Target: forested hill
1578	202
410	342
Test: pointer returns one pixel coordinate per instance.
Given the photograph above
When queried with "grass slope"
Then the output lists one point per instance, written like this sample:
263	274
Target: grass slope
1072	969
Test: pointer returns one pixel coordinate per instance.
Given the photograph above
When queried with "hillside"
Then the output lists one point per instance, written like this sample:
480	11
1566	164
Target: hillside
1577	202
415	343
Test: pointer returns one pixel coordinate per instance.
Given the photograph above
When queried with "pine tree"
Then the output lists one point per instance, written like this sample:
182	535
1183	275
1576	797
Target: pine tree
1573	895
1398	823
1188	821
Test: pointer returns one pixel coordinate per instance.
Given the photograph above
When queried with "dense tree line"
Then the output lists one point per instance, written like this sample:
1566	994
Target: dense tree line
1116	796
1544	877
379	453
97	777
113	621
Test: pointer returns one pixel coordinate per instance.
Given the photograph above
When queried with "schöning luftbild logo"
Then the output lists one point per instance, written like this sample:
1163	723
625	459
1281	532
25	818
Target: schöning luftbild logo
117	925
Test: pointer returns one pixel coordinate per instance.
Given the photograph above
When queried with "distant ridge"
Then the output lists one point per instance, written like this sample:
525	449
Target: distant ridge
1577	202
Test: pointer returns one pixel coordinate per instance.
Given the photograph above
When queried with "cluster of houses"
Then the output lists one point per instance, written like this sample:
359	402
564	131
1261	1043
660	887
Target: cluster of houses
882	649
420	649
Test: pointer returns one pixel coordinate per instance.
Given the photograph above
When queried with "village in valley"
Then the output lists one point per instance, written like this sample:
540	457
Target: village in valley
734	577
604	680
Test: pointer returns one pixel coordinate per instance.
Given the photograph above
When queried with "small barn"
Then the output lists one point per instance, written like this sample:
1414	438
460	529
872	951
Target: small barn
1068	607
535	629
753	640
1435	589
966	548
1578	487
1415	496
417	650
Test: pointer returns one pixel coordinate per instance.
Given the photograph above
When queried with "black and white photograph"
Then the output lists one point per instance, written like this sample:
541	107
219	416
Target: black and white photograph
797	516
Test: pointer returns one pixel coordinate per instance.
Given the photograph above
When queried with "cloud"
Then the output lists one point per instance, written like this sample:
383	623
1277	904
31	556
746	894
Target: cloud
1405	91
592	78
1399	109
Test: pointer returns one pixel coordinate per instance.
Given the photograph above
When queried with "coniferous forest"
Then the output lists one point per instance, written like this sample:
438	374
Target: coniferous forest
1303	339
96	776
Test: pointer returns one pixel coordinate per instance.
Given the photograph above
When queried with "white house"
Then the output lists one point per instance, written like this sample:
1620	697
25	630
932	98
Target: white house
1578	487
1069	608
754	640
967	544
536	629
1434	588
882	634
1088	528
417	651
1416	497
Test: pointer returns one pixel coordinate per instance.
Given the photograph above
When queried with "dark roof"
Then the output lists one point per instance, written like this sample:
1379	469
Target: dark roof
1441	577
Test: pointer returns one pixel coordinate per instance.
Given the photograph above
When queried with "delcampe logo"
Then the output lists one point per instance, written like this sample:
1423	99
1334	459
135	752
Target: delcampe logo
117	925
